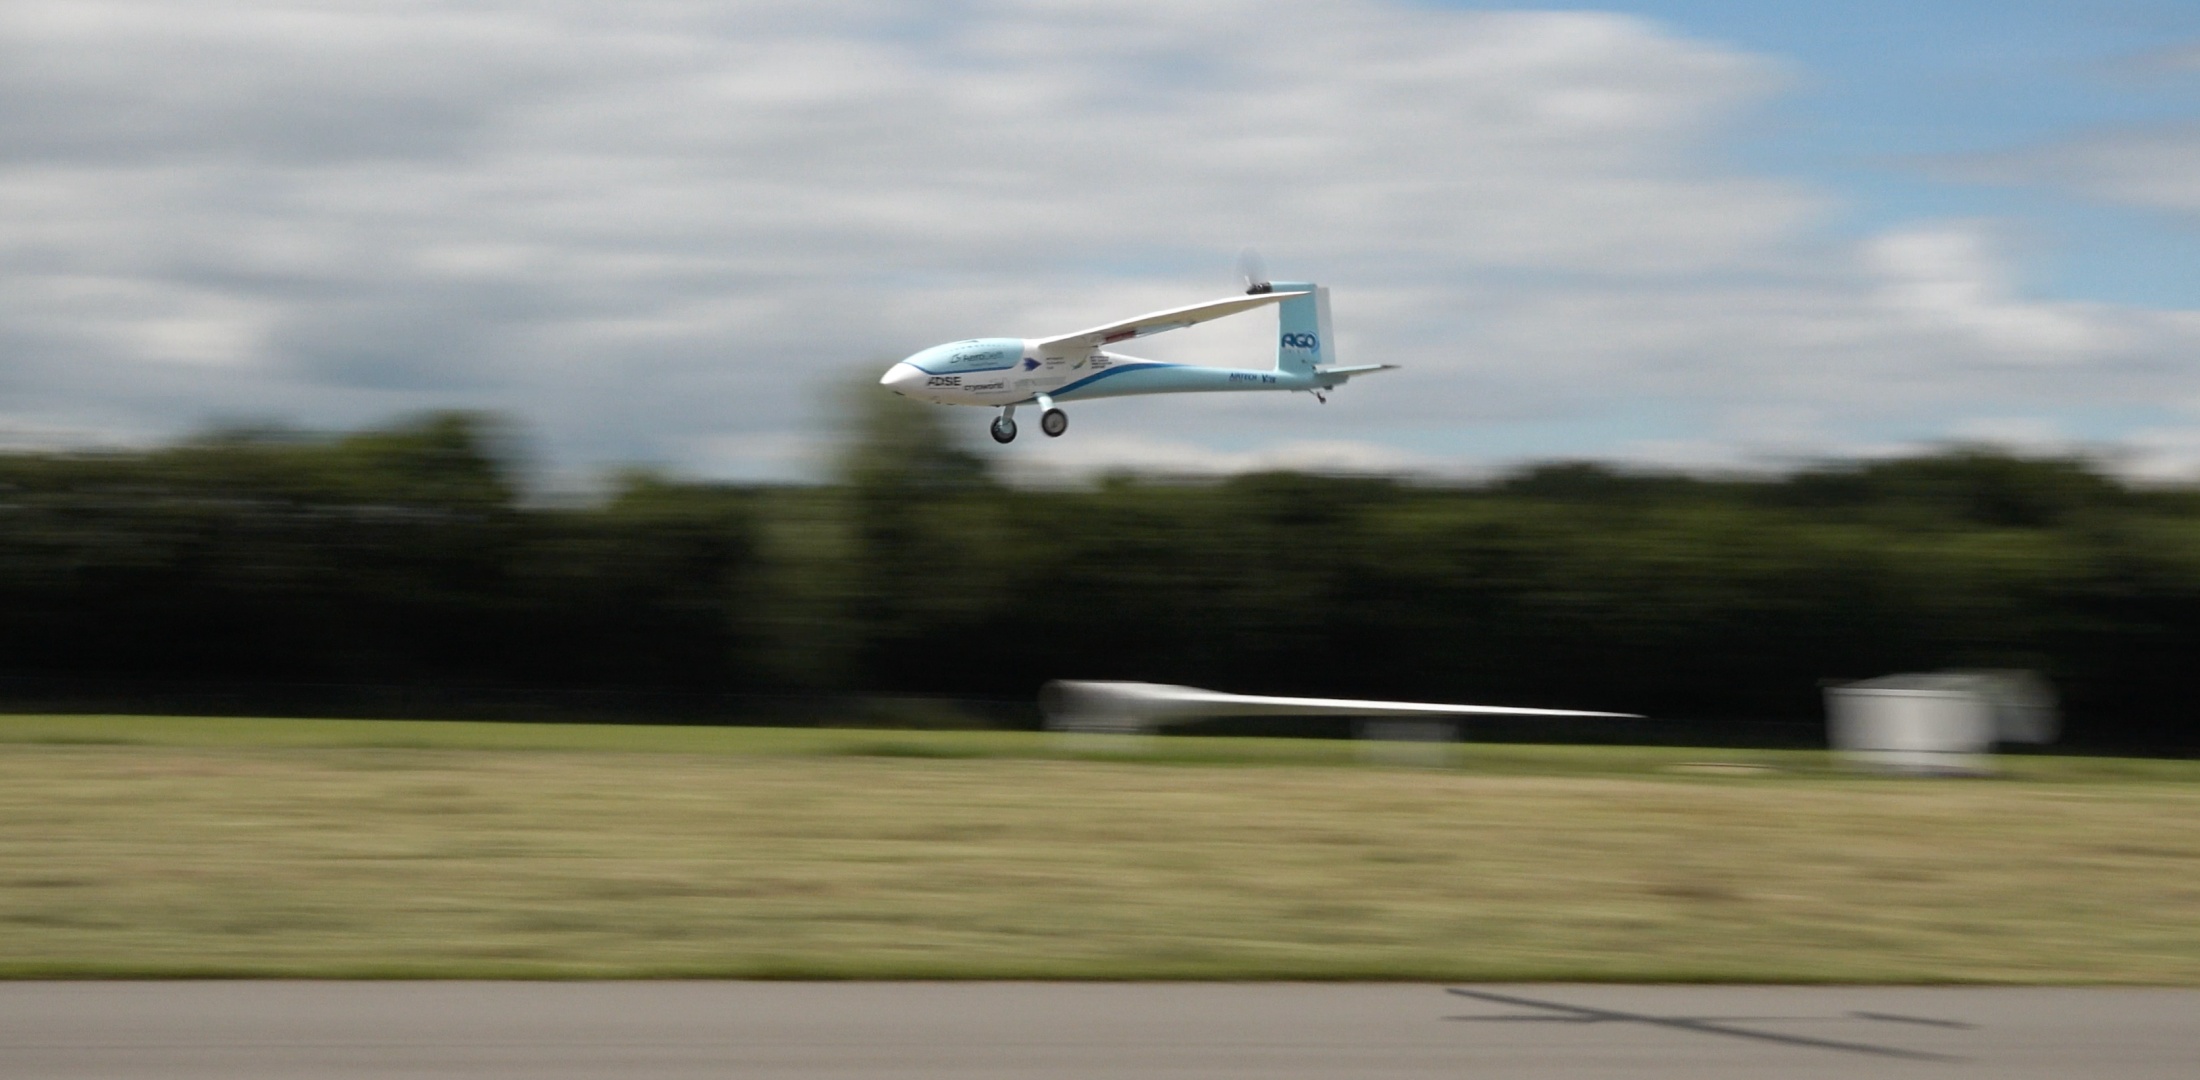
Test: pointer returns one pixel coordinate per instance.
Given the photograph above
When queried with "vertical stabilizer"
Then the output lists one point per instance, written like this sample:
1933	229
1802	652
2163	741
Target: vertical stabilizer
1303	329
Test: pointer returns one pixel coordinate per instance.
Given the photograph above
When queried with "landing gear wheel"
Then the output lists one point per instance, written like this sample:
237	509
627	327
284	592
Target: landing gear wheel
1053	422
1004	430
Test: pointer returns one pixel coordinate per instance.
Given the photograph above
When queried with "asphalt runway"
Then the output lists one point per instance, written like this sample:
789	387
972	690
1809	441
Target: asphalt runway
241	1030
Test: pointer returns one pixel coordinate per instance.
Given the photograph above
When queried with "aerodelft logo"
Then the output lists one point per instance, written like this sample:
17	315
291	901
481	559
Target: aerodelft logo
1301	341
1030	364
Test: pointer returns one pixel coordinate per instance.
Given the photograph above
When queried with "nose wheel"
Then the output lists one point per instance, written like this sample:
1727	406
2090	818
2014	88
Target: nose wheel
1004	429
1053	422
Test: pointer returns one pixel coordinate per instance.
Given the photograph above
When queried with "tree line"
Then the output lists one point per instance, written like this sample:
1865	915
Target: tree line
410	556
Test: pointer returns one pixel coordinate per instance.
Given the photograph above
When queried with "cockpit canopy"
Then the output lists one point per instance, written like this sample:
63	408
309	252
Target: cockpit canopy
962	357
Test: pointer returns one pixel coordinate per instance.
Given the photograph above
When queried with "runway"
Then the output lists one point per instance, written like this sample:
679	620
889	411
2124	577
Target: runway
241	1030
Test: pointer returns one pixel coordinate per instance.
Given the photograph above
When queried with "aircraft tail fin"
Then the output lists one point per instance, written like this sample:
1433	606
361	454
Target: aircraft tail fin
1303	341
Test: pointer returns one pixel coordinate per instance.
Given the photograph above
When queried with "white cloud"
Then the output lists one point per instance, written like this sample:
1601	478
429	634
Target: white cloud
1947	277
2162	455
2031	434
2152	168
1059	460
661	231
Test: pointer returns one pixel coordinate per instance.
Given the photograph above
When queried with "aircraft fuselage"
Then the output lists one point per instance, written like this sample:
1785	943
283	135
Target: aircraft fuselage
1012	371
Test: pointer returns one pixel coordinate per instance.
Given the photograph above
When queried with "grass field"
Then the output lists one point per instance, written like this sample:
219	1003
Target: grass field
147	846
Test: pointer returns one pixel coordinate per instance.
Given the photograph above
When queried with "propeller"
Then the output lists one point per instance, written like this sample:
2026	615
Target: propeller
1253	270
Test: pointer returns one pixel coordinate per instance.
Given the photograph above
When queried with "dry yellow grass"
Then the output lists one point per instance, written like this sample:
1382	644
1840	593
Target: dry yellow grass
157	859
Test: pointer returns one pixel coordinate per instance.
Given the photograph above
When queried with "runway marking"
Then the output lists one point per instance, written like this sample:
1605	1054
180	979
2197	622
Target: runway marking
1702	1025
1895	1018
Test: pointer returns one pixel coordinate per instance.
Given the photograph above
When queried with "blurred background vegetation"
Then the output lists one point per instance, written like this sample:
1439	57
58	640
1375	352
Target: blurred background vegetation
404	571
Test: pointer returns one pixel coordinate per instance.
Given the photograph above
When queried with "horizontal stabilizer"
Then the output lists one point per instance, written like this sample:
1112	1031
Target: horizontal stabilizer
1156	322
1356	369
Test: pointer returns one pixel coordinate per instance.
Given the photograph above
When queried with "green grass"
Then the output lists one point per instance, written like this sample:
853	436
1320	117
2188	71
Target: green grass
167	846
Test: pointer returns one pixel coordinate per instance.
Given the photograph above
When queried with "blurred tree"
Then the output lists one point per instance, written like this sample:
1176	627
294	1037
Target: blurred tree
1964	485
923	539
406	555
901	452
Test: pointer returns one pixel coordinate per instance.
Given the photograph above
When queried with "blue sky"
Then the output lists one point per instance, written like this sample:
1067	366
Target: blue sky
1695	235
1882	90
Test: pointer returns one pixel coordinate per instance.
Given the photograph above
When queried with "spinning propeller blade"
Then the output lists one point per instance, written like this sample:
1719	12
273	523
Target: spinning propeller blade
1253	270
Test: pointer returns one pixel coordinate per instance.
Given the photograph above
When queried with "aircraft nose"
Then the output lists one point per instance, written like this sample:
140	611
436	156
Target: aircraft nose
900	377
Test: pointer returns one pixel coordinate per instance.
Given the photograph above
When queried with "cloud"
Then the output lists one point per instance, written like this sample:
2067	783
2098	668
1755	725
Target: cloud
663	231
2161	455
1947	277
2170	60
2152	168
1056	462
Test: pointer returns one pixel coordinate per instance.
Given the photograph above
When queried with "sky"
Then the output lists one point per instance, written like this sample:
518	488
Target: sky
1705	235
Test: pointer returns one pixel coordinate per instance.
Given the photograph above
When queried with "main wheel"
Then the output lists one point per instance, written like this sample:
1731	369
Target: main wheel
1004	429
1053	422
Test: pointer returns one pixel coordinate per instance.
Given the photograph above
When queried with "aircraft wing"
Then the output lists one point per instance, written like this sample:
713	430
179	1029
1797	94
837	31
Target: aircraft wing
1131	705
1172	319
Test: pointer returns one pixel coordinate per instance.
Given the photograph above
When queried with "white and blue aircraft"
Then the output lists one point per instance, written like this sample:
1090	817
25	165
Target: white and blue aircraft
1005	373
